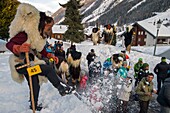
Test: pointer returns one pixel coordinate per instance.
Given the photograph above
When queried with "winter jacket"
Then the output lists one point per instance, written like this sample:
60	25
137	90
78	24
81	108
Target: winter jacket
90	57
49	50
83	82
107	63
60	52
161	69
164	94
128	37
124	92
122	72
137	68
144	88
142	73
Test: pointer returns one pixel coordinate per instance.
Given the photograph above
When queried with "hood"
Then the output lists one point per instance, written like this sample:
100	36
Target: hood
27	19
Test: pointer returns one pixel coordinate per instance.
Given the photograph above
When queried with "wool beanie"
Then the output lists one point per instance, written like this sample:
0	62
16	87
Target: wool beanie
145	65
163	59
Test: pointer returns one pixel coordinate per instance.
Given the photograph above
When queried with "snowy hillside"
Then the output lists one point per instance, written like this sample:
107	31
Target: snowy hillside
99	11
14	97
126	11
121	11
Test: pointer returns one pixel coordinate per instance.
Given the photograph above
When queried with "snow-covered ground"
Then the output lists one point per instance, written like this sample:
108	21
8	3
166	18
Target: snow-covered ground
14	97
2	45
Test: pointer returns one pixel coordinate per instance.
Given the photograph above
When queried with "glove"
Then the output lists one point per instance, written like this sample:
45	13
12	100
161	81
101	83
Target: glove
17	49
49	55
24	47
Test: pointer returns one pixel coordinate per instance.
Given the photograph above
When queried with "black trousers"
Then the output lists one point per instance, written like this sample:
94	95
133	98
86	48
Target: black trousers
121	106
160	81
47	71
143	106
136	81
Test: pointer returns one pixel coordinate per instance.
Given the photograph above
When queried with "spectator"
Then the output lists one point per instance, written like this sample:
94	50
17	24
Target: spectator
60	52
123	72
49	49
164	97
83	81
123	95
90	57
137	67
144	91
144	71
161	69
72	48
128	38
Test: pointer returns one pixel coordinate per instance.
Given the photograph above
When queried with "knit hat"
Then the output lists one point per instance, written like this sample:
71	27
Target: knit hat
124	62
123	51
145	65
163	59
92	50
140	59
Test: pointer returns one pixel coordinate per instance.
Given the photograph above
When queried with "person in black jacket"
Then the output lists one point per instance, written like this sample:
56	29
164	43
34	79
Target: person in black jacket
90	57
164	96
161	69
60	52
128	38
144	71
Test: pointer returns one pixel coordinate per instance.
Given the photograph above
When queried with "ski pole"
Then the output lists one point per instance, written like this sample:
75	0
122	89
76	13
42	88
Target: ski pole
31	87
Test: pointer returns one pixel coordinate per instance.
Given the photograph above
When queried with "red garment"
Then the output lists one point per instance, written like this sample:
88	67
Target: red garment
83	82
19	39
127	57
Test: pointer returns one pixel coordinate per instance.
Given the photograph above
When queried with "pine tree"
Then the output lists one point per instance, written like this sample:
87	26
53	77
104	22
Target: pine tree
8	11
73	20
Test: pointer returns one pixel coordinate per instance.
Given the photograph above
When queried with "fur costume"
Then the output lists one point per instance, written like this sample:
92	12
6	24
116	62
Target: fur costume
27	19
95	37
74	60
108	35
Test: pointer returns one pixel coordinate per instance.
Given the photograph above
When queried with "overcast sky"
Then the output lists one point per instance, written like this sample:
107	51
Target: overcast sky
45	5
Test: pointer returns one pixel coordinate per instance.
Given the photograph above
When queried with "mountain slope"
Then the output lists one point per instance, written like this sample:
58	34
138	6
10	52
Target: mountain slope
121	11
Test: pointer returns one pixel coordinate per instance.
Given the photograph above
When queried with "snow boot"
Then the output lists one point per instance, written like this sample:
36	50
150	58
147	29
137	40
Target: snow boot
37	107
65	89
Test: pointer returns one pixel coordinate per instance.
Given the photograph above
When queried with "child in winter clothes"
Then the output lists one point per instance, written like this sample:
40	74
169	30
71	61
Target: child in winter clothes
122	72
83	81
90	57
123	95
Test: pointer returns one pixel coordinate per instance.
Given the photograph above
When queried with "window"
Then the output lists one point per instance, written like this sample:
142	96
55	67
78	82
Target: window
58	36
138	32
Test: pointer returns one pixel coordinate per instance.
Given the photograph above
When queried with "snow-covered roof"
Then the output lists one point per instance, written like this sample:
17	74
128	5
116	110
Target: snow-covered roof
152	29
61	29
